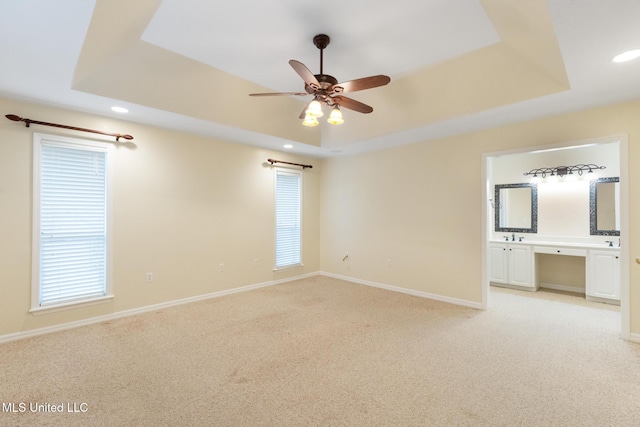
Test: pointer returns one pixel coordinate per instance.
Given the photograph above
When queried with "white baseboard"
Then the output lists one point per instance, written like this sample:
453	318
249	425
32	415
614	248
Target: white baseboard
70	325
565	288
98	319
421	294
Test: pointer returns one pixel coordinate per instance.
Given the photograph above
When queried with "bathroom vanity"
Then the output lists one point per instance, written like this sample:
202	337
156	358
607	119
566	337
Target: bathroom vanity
513	264
529	248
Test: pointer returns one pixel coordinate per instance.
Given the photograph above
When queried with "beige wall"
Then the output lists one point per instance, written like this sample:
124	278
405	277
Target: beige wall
559	270
421	205
182	204
417	205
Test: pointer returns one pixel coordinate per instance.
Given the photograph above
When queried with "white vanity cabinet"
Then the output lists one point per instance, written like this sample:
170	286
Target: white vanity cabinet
603	279
498	263
511	264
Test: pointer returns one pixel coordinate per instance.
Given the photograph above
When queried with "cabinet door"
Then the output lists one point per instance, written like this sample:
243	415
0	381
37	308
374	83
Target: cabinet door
520	265
605	275
498	263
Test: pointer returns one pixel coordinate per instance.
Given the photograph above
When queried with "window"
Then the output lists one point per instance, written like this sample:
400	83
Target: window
70	224
288	218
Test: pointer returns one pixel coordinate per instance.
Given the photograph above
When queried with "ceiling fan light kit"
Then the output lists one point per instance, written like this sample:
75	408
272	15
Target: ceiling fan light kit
326	90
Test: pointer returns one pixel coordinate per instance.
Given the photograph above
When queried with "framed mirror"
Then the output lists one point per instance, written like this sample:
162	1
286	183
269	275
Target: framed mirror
516	208
604	206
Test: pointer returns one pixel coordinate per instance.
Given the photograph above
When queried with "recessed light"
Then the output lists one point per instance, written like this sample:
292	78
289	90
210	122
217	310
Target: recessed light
288	146
627	56
119	109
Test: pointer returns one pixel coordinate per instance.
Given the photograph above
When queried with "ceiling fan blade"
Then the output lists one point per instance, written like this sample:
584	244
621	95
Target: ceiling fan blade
352	104
278	93
308	77
360	84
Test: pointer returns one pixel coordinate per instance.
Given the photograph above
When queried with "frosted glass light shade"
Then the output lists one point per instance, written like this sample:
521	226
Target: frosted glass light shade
310	120
314	109
335	118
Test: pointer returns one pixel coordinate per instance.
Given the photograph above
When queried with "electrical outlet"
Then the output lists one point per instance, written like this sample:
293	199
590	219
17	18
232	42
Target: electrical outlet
149	277
255	263
221	266
389	264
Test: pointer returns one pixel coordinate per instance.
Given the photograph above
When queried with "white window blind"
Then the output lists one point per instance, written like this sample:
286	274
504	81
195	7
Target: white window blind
288	218
72	221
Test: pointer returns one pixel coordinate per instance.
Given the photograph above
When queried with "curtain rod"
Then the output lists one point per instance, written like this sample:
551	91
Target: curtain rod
288	163
36	122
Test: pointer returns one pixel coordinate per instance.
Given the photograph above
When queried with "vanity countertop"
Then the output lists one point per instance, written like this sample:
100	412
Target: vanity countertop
576	245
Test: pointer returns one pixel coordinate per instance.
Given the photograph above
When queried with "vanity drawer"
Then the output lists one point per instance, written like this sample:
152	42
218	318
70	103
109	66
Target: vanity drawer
560	251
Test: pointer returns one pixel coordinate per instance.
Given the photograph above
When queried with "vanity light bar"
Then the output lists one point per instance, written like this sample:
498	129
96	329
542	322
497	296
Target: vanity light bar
563	170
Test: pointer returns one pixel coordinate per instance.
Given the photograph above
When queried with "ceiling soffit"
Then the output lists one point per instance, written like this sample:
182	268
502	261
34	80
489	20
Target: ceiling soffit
115	62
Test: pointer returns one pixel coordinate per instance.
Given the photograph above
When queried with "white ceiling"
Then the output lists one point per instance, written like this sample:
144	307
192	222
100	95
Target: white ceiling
258	46
455	65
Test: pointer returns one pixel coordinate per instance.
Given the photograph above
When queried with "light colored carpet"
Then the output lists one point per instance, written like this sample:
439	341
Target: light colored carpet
324	352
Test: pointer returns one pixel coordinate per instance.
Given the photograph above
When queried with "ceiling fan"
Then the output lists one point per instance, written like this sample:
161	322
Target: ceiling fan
327	90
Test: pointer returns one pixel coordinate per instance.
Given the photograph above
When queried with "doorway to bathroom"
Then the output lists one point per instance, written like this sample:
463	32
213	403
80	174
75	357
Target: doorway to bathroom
551	241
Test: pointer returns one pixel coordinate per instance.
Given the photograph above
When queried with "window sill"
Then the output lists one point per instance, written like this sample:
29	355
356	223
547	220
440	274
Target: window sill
288	267
37	311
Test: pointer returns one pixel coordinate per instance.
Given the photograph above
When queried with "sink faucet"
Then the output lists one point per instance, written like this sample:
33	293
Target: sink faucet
610	242
513	237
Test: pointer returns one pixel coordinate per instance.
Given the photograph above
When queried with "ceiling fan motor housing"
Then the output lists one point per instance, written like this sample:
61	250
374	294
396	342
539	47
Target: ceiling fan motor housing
326	81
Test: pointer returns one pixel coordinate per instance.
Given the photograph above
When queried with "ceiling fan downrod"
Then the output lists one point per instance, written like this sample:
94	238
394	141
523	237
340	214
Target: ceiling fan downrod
321	41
